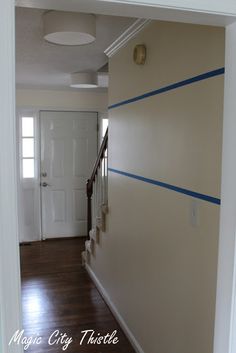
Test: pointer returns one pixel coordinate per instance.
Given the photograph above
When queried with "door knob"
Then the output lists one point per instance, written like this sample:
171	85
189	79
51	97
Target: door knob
44	184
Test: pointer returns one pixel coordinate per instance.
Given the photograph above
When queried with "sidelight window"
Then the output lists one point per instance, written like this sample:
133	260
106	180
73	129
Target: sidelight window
28	147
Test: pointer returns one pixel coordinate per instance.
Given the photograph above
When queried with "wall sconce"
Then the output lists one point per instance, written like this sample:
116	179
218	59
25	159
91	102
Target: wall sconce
139	55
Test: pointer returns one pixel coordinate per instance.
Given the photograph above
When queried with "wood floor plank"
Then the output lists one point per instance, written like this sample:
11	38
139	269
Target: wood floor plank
57	294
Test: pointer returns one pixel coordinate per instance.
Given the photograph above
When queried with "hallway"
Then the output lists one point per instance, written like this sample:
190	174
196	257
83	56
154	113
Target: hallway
57	294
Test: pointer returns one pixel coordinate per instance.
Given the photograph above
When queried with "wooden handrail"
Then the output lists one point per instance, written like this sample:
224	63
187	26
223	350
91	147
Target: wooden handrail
89	186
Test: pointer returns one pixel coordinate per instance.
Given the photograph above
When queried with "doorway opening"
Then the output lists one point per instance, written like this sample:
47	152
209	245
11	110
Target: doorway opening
57	152
60	127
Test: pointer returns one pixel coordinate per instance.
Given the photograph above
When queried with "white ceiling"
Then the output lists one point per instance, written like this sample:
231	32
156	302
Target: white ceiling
47	66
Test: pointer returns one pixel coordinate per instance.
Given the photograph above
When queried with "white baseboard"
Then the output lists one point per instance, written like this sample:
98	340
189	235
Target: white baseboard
114	310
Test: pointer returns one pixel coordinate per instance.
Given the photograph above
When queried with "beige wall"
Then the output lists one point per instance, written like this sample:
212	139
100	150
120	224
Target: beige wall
157	266
51	99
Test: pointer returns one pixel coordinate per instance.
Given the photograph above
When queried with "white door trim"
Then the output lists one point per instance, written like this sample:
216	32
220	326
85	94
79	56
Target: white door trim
9	257
215	12
10	318
225	323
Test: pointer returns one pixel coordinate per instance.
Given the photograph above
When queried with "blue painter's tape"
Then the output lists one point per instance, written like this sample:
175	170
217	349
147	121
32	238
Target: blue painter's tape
173	86
194	194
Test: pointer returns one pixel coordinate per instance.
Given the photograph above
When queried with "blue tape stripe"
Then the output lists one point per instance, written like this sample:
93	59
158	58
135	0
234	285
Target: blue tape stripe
171	87
168	186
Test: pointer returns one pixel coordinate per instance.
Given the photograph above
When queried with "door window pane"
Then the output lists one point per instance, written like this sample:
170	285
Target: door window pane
28	168
27	127
27	147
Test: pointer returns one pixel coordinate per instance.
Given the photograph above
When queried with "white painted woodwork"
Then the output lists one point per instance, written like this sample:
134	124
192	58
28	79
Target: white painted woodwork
126	36
68	152
207	12
10	318
28	188
225	322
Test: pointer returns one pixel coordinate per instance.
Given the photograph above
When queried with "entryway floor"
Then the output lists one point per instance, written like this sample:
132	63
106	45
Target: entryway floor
58	298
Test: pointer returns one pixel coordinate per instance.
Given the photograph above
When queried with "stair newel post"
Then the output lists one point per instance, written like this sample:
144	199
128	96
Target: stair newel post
89	188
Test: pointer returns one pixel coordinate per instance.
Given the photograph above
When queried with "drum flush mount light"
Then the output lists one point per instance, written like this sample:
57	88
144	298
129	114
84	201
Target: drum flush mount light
69	28
84	80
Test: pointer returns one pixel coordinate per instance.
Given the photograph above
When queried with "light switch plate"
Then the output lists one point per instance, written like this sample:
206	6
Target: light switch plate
194	213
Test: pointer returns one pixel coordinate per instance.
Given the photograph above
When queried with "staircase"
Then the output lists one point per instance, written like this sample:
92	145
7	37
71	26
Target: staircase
97	198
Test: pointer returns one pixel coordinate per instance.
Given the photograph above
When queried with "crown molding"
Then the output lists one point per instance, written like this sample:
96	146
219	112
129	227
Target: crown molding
126	36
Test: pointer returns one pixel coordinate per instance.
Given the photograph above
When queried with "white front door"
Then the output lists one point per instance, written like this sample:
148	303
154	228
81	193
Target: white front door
68	152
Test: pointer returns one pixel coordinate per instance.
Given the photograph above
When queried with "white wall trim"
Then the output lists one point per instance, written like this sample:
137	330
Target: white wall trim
114	310
216	7
208	12
126	36
225	320
10	307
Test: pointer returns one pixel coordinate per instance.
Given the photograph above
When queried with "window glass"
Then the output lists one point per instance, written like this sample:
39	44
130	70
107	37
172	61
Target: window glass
27	147
28	168
104	126
27	127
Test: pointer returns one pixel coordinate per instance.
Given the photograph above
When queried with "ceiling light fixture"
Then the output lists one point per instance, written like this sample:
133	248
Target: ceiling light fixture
69	28
84	80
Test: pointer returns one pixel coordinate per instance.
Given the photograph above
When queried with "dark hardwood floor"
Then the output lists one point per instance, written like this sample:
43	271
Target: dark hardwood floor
57	294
